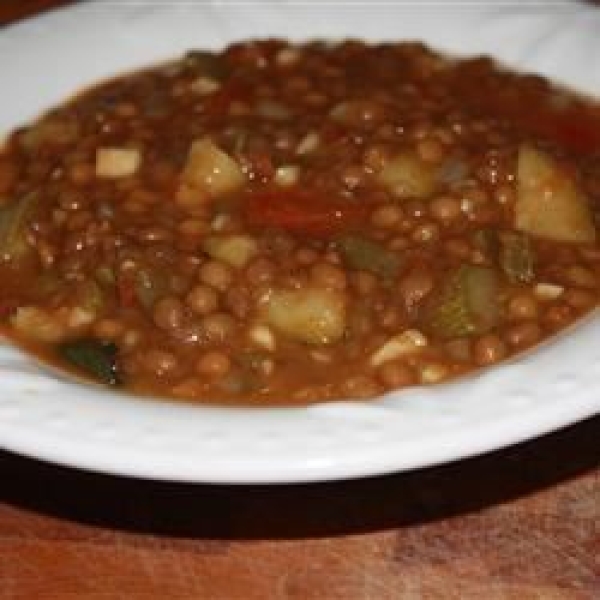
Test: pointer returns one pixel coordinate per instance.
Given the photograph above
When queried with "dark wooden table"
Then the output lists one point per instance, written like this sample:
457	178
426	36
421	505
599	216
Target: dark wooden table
522	524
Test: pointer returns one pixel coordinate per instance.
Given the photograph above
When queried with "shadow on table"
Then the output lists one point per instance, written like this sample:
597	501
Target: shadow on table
295	511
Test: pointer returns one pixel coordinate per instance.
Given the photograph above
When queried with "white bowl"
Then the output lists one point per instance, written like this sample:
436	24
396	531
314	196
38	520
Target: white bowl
42	61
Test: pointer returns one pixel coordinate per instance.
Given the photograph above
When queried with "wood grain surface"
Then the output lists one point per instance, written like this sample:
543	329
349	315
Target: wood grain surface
521	524
12	10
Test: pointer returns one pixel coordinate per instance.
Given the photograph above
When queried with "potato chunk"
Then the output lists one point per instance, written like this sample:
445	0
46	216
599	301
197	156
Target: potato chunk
407	176
310	315
235	249
549	203
208	174
51	326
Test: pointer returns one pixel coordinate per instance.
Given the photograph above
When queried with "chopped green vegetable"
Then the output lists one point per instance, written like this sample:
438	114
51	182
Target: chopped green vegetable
46	284
366	255
149	286
486	241
94	358
206	63
89	296
468	303
14	218
106	276
51	130
517	257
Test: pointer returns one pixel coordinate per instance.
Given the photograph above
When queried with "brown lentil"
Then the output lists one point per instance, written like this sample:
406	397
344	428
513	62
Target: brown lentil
489	349
215	274
213	364
523	307
202	299
168	313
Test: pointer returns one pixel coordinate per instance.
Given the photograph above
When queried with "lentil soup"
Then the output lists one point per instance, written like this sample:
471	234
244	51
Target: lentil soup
279	223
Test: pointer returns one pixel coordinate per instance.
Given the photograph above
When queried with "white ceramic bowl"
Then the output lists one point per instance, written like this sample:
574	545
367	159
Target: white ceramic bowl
46	59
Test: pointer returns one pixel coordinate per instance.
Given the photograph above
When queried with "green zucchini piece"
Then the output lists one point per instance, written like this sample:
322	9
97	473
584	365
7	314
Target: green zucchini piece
364	254
150	285
517	257
468	303
486	241
206	63
94	358
14	218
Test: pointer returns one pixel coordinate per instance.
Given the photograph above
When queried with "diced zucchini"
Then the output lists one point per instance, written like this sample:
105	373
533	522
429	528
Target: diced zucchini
517	257
310	315
149	286
141	285
468	303
94	358
14	219
271	109
51	130
88	295
487	243
549	203
105	275
206	63
367	255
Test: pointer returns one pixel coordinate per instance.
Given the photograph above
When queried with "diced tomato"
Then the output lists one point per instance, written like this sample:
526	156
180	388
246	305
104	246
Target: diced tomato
575	127
303	212
126	289
579	132
8	307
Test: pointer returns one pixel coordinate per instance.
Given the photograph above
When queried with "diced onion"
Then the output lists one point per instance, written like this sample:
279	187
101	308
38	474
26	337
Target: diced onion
288	56
408	342
309	143
114	163
287	175
234	249
204	86
433	373
262	336
548	291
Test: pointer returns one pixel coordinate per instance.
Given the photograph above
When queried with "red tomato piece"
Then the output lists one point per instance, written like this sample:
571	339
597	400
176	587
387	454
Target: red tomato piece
303	212
580	133
126	290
